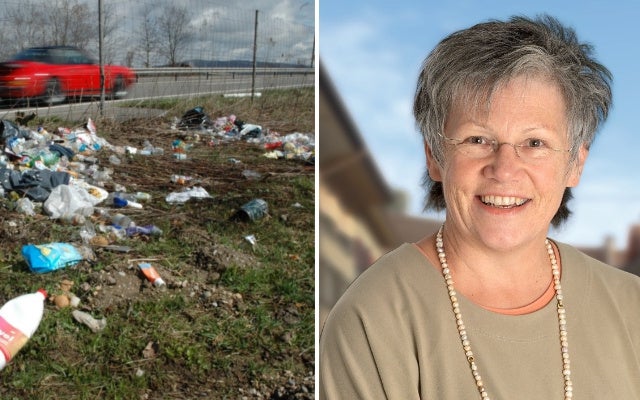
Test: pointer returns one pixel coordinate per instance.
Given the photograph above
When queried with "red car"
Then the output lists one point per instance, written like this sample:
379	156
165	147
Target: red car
51	74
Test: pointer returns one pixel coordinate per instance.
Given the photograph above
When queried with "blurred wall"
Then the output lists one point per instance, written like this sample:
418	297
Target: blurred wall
358	216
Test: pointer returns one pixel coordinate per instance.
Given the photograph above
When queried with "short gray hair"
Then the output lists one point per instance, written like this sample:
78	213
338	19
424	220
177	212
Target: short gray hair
468	66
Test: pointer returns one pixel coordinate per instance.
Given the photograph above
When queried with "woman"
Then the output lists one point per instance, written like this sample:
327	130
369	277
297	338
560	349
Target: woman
489	307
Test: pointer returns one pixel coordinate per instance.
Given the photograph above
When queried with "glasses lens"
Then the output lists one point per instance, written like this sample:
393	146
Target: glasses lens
529	153
476	150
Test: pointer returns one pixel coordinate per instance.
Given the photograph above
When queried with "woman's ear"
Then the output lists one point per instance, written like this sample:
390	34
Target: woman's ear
432	165
578	166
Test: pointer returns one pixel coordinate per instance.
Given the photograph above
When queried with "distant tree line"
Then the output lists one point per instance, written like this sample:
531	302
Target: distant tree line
160	33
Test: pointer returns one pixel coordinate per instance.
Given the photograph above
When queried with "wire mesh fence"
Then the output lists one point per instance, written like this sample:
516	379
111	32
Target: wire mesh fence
185	48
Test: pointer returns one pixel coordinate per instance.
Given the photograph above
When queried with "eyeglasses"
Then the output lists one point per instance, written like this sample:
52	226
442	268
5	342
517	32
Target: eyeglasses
529	150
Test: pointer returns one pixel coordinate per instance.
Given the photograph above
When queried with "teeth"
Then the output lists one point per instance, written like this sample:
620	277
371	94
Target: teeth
502	201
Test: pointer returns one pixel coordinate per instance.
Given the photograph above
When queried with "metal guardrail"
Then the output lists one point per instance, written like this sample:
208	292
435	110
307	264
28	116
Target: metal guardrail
182	71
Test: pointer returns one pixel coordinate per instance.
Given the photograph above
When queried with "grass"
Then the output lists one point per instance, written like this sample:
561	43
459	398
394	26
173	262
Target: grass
273	109
235	321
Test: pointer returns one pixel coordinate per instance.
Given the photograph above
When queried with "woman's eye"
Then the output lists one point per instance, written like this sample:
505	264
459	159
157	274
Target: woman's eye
476	140
535	143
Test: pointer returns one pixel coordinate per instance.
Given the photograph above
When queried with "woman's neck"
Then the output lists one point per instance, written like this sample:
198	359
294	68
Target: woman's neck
494	279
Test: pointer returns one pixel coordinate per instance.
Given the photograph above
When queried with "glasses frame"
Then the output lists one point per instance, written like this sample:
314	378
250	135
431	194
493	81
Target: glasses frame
495	145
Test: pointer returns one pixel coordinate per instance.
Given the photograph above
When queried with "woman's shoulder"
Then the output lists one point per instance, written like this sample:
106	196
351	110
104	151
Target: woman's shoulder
389	292
398	265
396	275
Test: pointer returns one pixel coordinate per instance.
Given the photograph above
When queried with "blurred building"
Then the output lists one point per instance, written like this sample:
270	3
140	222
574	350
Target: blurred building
360	216
632	255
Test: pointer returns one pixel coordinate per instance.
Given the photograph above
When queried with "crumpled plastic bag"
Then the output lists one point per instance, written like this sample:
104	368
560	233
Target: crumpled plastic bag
66	200
195	118
33	183
184	196
9	129
251	131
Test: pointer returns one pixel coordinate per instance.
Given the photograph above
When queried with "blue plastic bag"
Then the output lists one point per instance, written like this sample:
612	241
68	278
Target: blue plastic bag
49	257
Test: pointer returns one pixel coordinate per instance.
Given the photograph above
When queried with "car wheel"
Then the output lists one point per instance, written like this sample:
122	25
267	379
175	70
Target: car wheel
119	88
53	93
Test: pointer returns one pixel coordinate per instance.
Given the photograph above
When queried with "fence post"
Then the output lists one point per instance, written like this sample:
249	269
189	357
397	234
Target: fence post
255	46
100	45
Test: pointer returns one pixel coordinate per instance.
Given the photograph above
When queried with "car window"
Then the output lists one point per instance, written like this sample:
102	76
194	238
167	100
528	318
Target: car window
76	57
36	54
57	56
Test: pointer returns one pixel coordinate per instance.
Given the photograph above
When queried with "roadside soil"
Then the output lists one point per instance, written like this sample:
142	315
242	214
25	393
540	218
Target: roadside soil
211	165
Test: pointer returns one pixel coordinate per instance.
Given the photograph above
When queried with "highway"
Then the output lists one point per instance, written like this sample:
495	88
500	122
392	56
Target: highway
178	82
174	83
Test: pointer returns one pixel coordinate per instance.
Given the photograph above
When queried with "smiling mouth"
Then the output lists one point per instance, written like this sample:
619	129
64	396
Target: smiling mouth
502	201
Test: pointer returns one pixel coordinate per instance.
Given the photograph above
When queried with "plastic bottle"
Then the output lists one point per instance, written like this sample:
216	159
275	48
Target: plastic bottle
122	221
142	196
120	202
144	230
102	212
120	194
19	319
149	149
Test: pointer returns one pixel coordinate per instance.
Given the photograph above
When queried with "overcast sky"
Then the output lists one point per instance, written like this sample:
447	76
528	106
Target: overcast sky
222	30
285	28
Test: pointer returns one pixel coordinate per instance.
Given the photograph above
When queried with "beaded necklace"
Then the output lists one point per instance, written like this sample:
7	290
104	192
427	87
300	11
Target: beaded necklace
464	339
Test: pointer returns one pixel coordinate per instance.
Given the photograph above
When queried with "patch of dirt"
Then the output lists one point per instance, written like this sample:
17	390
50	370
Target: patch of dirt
122	281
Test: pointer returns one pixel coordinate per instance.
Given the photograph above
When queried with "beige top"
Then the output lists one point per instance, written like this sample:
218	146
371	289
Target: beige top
393	336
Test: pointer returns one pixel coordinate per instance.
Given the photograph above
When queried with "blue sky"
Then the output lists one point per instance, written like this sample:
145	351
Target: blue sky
373	50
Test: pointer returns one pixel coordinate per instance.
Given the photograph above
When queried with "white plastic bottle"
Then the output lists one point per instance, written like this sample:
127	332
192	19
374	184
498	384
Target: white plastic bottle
19	319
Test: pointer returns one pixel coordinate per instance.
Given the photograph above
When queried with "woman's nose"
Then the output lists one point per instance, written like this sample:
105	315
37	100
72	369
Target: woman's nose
505	162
